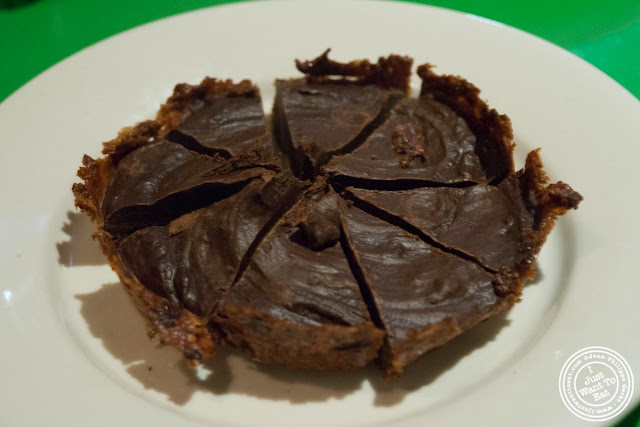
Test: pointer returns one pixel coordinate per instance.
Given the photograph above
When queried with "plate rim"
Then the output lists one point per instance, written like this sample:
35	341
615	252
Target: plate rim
17	93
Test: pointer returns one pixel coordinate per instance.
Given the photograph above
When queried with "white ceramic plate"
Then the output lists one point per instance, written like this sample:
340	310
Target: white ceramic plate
74	351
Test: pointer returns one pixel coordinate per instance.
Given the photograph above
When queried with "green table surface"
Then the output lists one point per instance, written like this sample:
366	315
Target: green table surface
38	34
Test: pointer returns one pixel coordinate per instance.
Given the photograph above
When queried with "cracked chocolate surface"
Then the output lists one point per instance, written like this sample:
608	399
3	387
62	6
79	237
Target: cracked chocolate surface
218	118
315	121
415	287
394	224
194	259
304	284
161	180
463	218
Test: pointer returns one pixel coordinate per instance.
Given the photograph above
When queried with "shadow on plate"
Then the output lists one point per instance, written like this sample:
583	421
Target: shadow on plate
114	320
80	249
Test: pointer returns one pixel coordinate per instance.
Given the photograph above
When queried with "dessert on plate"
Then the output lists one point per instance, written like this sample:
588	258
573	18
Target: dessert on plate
365	225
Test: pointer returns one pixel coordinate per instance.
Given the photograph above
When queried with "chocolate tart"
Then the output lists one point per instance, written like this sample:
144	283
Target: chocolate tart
391	225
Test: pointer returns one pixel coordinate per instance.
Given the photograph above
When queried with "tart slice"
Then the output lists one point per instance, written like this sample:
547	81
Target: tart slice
298	302
421	296
193	260
494	135
334	107
162	180
422	142
446	137
218	117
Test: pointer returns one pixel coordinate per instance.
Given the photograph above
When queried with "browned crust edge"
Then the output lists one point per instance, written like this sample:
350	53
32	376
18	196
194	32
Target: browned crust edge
172	325
393	71
186	98
493	130
546	201
271	340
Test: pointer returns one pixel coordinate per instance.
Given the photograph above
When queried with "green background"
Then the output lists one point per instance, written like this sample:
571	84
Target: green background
36	35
